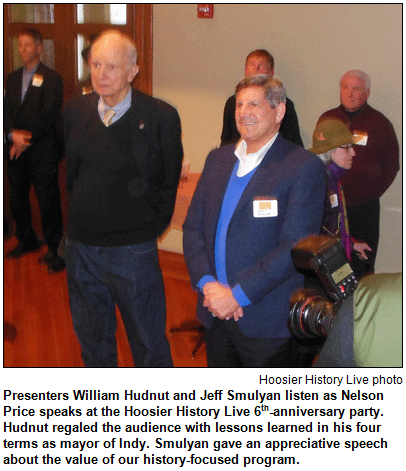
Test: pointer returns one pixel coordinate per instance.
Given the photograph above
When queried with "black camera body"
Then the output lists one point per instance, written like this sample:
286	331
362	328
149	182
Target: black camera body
311	312
326	257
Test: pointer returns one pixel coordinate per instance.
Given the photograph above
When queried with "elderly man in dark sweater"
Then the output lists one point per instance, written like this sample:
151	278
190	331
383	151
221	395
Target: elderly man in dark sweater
124	156
374	167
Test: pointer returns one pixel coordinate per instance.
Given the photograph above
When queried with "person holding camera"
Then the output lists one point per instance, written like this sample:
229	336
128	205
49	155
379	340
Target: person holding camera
367	330
333	143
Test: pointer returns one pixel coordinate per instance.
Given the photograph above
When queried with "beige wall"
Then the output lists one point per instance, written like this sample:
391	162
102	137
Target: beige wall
197	63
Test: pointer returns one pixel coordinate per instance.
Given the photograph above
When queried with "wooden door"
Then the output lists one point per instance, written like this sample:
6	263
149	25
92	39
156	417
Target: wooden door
63	27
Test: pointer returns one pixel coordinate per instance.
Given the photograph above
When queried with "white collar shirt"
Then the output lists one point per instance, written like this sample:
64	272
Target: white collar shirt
250	161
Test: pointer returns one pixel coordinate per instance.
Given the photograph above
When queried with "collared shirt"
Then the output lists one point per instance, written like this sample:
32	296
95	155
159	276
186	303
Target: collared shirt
250	161
28	75
120	109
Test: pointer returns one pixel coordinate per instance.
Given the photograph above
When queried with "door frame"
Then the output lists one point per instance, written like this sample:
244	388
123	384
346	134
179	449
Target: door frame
64	31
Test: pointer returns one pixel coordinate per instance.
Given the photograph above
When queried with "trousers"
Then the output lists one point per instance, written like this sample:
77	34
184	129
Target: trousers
364	226
21	173
228	347
99	278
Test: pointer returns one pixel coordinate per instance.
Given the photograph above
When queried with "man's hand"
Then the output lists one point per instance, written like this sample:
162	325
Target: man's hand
21	141
360	248
220	301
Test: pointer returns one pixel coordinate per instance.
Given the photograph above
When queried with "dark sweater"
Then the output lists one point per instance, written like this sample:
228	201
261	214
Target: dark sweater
375	164
107	206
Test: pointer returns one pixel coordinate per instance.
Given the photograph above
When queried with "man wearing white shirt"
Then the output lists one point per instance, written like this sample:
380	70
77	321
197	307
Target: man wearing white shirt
251	206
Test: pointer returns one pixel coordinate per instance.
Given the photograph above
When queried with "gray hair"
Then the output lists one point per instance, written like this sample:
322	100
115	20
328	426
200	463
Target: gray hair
359	74
326	157
127	41
273	88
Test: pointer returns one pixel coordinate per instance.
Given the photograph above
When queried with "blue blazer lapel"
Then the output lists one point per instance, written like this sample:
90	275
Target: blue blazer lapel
219	187
16	90
263	173
31	89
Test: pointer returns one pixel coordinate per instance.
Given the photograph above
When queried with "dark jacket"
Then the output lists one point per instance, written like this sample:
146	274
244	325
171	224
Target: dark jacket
38	113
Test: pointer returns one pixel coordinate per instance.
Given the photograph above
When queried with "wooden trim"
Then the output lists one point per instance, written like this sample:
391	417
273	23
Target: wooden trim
7	41
64	31
142	35
38	329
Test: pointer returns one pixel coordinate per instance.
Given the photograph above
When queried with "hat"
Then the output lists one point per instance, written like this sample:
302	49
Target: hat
330	134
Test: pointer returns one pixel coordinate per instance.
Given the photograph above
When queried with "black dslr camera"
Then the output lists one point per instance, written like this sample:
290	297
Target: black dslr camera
312	310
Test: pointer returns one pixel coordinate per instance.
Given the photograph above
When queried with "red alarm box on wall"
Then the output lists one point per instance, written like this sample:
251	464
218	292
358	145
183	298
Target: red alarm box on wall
205	10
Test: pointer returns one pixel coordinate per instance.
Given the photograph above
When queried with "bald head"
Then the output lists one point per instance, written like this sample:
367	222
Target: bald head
113	63
113	37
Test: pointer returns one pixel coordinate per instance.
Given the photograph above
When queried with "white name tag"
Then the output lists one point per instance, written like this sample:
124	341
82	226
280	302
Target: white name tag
361	138
334	200
265	208
37	80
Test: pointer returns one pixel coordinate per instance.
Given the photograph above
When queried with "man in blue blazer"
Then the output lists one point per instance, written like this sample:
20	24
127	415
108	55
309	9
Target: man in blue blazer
32	106
252	204
124	154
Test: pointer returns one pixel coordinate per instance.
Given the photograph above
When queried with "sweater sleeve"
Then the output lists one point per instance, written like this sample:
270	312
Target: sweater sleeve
388	158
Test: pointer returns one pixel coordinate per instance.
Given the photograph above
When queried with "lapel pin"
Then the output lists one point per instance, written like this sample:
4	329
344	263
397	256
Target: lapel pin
142	125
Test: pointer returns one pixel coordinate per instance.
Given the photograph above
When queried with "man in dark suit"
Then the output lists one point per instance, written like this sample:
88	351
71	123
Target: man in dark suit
260	61
251	206
124	156
32	105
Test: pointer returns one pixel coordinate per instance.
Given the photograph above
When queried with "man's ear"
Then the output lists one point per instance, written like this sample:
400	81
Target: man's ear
280	112
133	72
368	93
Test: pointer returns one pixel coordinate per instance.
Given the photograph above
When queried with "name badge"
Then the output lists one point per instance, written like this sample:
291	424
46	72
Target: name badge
334	200
361	138
37	80
86	90
265	208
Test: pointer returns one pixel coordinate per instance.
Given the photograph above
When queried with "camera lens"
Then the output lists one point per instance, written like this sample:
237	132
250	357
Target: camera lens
311	315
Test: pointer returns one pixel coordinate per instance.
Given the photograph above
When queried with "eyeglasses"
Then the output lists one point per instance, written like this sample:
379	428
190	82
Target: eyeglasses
348	147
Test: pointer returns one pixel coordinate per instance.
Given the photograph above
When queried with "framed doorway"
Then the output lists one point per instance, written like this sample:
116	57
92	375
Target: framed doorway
66	29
